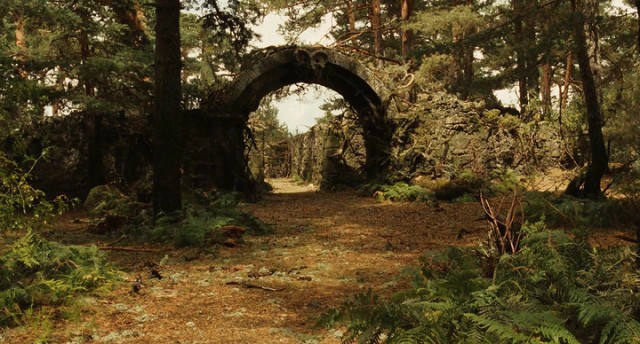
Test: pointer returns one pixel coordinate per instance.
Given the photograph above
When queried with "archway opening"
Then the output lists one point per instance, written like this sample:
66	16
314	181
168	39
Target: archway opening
308	133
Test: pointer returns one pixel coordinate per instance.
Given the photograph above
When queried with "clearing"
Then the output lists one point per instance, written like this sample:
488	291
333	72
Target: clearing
325	247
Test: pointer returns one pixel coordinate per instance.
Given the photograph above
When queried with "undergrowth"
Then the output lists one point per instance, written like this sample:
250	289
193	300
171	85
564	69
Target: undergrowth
22	206
464	187
555	289
202	220
578	212
398	192
35	272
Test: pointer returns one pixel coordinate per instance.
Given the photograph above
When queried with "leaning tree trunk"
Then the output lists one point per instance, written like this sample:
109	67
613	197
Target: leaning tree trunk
599	159
167	140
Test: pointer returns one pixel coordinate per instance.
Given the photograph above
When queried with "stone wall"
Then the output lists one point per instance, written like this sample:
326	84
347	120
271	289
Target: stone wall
438	137
330	154
443	135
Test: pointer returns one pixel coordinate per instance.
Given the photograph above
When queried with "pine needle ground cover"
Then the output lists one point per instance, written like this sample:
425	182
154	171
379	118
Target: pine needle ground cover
324	247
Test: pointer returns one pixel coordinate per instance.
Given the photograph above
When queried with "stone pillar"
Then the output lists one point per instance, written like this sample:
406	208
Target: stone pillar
229	167
378	133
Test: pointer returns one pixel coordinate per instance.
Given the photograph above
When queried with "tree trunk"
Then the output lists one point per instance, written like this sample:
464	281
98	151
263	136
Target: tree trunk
167	140
351	17
376	28
564	91
591	9
521	60
463	56
93	137
407	35
131	15
564	96
92	121
533	72
547	76
547	73
21	44
85	53
599	159
638	14
467	63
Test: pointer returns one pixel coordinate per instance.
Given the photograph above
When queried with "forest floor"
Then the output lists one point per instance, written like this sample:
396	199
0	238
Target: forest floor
326	246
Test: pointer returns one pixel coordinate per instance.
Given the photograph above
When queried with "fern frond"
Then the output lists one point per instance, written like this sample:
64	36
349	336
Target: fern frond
504	331
421	335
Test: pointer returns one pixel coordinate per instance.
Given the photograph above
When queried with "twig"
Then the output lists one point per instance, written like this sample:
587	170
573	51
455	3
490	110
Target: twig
505	231
364	52
253	286
133	249
114	242
615	175
296	268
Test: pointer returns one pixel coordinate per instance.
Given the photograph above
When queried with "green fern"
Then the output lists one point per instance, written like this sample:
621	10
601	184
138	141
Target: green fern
555	290
201	220
37	272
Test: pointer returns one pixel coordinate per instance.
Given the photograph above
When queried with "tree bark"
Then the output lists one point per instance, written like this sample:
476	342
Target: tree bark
638	14
167	139
463	56
599	159
130	14
547	73
529	34
521	60
376	28
93	137
351	17
21	44
564	96
407	35
564	91
92	121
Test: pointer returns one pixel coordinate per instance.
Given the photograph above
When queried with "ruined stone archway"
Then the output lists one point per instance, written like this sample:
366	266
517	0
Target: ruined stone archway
279	67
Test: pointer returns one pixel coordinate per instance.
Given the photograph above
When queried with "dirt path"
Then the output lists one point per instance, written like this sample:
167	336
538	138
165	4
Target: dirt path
326	246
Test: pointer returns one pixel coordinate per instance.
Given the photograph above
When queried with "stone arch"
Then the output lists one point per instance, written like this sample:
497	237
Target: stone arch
279	67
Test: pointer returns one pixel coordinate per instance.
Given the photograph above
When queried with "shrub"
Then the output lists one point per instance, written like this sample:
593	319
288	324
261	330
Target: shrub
33	271
18	199
464	185
554	290
398	192
107	200
202	220
403	192
37	272
577	212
